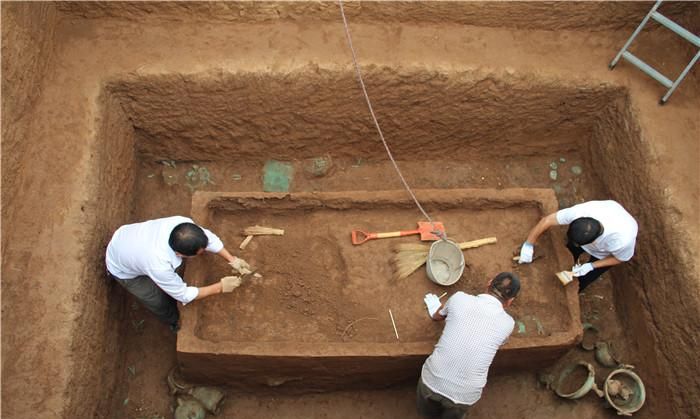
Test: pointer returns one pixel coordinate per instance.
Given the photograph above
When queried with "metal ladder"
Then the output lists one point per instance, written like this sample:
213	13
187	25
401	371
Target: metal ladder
649	70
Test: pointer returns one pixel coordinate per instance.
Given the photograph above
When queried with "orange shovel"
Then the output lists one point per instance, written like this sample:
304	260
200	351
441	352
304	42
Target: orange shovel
426	229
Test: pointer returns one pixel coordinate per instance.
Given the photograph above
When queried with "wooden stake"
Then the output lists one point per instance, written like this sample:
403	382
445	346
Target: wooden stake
261	231
245	242
394	324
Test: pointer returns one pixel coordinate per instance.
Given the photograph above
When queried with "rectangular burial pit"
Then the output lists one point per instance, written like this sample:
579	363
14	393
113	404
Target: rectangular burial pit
319	319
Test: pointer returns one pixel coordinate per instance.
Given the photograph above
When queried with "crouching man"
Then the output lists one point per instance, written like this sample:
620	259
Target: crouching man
602	229
476	326
143	257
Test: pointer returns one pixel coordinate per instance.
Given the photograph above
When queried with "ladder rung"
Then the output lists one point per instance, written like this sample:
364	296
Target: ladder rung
651	71
681	31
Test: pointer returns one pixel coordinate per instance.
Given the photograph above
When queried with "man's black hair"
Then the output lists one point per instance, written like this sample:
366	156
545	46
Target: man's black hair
505	285
583	231
188	239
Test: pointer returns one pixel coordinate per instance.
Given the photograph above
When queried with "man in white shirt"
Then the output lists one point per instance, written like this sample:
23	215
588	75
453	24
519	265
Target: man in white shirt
476	326
143	257
603	229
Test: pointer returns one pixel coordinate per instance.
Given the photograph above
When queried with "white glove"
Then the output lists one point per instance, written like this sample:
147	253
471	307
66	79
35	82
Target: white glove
581	270
230	283
241	266
432	303
526	253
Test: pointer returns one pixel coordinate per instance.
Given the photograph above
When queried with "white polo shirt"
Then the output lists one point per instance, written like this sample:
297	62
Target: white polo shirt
143	249
475	327
619	228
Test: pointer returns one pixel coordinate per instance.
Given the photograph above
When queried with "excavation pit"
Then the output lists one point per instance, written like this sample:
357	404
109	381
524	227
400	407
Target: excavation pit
319	319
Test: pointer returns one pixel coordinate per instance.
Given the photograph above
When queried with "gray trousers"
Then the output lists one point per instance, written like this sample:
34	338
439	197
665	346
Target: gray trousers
436	406
152	297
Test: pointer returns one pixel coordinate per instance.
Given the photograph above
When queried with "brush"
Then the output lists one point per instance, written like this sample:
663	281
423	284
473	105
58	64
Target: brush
565	277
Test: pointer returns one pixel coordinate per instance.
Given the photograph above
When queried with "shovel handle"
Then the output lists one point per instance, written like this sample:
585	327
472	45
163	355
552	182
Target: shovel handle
360	236
395	234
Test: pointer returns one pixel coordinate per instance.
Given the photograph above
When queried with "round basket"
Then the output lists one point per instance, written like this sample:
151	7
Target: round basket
445	262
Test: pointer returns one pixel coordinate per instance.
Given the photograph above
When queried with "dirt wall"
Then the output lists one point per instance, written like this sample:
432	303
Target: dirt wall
690	18
653	291
61	346
259	116
589	16
27	53
99	368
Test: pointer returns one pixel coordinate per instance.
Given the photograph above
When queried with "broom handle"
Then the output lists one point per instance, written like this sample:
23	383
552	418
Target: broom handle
477	243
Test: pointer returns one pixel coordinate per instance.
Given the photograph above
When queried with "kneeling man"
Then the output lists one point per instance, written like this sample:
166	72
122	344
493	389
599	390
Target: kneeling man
455	373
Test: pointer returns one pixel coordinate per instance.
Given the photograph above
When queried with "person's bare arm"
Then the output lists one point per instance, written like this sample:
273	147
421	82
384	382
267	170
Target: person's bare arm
608	261
543	225
208	290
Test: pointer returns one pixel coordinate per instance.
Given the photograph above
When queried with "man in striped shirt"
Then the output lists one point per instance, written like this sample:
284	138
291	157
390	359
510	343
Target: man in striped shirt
455	373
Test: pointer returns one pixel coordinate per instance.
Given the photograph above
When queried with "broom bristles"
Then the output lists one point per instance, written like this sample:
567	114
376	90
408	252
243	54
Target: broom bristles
412	247
408	258
260	230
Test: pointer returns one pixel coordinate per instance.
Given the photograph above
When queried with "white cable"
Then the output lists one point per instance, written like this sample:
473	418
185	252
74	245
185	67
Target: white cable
376	124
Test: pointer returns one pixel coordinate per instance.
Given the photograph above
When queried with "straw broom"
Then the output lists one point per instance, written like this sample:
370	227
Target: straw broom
408	257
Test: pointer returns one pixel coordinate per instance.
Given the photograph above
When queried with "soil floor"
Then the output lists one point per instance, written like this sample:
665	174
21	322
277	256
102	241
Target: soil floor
316	282
88	52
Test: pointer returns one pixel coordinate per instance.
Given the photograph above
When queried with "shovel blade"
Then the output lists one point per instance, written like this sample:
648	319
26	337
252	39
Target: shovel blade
428	230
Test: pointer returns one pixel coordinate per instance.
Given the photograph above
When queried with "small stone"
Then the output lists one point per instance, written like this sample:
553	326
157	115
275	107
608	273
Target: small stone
562	159
577	170
318	166
557	188
553	165
553	174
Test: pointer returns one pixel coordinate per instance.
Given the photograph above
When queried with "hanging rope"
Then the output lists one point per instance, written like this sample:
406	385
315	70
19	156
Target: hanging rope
379	130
